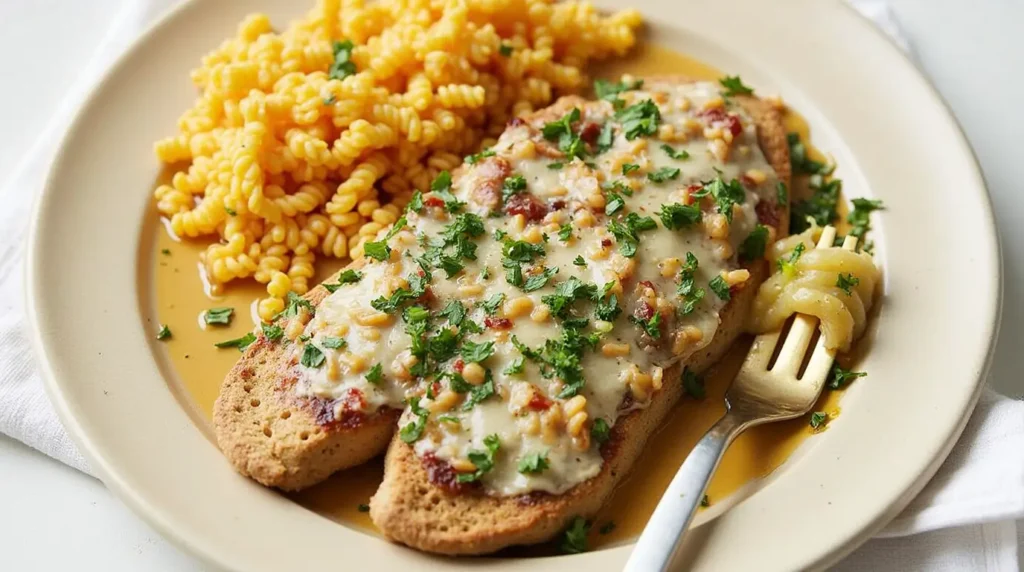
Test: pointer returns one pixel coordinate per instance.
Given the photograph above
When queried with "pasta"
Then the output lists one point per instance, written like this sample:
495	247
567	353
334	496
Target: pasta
306	143
835	285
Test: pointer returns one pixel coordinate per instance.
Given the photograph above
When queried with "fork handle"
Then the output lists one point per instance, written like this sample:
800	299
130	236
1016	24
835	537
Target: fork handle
663	534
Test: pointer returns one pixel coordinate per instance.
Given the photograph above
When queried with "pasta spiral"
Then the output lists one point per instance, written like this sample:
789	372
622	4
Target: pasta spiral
835	285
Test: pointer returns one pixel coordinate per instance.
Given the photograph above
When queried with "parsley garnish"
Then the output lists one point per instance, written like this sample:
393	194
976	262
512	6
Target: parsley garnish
272	332
800	162
537	281
705	501
628	168
312	356
491	304
663	174
578	261
165	251
846	282
476	353
687	289
484	460
505	50
683	154
821	207
332	343
164	332
860	216
840	377
561	131
415	203
218	316
600	431
476	157
781	193
555	165
627	233
363	508
533	463
480	392
676	215
720	288
240	343
609	91
441	187
788	265
734	86
651	326
343	66
607	307
330	99
454	312
639	119
513	184
753	246
693	384
414	429
347	277
575	538
375	375
725	194
566	294
818	419
605	138
565	232
378	250
230	211
615	203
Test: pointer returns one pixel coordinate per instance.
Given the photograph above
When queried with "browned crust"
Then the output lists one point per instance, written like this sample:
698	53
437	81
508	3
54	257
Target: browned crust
282	441
407	508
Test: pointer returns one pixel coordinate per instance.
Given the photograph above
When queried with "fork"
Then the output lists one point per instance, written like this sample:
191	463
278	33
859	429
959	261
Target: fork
758	395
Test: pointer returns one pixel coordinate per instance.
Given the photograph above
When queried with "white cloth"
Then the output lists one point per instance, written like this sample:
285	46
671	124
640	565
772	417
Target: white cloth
963	520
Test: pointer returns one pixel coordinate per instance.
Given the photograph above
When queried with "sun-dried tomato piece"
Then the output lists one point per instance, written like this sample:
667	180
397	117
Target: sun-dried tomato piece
498	323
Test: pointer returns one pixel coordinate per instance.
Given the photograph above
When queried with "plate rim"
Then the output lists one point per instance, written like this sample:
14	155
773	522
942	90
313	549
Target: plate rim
43	345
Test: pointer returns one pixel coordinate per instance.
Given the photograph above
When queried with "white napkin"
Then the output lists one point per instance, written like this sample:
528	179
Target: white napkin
963	520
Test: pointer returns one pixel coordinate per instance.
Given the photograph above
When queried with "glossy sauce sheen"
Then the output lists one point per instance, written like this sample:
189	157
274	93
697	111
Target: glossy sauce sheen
200	368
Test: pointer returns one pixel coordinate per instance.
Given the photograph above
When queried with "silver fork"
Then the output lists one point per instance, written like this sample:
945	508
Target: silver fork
758	395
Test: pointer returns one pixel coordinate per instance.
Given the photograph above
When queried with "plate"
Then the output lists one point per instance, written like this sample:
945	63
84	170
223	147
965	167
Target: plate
887	128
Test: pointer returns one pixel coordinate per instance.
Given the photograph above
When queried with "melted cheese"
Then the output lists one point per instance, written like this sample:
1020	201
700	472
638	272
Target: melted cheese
614	384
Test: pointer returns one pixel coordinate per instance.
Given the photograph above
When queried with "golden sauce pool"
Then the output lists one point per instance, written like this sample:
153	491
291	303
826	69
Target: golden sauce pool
196	368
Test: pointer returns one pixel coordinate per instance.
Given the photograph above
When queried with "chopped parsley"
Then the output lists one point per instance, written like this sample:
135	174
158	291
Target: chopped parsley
454	312
607	307
799	160
840	377
240	343
640	119
574	540
734	86
566	294
628	168
363	508
491	304
537	281
476	157
578	261
818	419
610	91
565	232
627	233
860	216
505	49
821	207
414	429
787	265
512	185
533	463
693	384
615	203
725	194
333	343
418	285
272	332
165	251
415	203
678	155
164	332
677	215
347	277
517	366
480	392
377	250
375	375
605	138
343	66
218	316
663	174
561	131
781	193
483	460
561	358
754	245
312	356
330	99
476	353
720	288
555	165
600	431
705	501
650	326
441	187
846	282
688	289
230	211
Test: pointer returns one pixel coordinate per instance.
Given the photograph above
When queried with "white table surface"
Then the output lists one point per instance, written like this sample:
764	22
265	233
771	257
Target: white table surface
53	517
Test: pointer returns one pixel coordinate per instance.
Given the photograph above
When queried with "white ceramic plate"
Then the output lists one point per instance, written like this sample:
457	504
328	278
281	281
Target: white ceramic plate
889	131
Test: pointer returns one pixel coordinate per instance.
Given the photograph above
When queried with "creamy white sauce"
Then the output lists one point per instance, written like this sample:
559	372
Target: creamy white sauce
605	388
